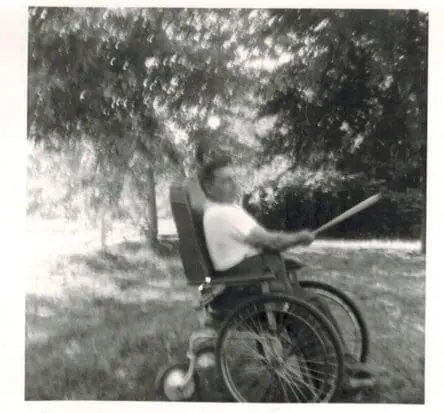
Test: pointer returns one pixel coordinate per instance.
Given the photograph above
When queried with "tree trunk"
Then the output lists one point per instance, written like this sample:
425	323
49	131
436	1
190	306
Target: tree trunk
424	219
151	228
103	229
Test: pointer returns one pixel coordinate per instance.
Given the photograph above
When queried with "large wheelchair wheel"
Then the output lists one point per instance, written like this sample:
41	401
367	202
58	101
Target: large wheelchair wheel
279	349
349	317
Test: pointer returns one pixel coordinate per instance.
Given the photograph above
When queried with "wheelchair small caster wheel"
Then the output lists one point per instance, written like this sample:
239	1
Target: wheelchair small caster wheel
171	385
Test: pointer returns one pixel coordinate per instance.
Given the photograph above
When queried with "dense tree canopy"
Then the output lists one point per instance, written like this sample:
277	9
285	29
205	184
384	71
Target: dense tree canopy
128	80
151	91
354	90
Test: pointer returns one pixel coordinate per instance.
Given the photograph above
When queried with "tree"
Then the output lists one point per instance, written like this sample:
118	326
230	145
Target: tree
90	88
126	80
352	93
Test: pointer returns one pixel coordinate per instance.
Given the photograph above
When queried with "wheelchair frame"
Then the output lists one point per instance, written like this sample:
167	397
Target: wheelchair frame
198	270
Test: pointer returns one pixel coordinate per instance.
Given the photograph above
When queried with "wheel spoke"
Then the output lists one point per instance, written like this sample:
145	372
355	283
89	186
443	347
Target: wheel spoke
284	390
294	379
271	390
293	376
249	350
294	388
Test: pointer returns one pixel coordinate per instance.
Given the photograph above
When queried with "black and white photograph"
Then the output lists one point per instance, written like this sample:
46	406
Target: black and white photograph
226	204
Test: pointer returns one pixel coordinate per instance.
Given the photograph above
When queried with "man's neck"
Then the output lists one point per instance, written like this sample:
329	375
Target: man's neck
211	202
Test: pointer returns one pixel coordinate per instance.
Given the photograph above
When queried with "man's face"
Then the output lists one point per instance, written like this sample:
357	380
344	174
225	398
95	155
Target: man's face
224	188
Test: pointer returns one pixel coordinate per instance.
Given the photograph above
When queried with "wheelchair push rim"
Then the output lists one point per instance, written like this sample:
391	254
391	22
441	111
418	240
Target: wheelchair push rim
294	357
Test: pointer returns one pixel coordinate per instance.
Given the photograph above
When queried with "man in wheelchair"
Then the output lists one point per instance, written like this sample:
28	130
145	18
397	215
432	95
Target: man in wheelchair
237	243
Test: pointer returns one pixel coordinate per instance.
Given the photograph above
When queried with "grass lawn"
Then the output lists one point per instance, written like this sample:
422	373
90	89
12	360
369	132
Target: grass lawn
99	327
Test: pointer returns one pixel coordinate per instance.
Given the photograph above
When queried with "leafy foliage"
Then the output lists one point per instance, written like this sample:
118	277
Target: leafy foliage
152	93
349	107
310	199
139	85
360	95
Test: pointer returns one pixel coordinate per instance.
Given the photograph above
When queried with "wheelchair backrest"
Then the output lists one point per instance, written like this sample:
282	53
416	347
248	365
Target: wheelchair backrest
187	205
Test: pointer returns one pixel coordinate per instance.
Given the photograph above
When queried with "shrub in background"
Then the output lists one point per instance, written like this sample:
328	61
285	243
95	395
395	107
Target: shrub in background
308	199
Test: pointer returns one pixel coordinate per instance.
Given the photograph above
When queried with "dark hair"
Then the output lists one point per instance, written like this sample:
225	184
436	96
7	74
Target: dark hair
206	175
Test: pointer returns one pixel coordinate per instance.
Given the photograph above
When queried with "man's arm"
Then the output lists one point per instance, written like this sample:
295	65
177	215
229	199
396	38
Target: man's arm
259	237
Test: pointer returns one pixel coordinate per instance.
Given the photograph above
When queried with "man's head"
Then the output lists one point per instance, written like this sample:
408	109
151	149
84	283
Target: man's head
218	180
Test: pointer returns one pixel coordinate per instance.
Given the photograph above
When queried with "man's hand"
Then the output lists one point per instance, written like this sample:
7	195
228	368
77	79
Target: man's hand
306	237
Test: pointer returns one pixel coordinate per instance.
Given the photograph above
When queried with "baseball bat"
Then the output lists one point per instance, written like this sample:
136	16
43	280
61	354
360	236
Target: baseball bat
347	214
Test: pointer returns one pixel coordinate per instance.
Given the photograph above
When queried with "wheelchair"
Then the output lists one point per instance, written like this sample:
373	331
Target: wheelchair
271	348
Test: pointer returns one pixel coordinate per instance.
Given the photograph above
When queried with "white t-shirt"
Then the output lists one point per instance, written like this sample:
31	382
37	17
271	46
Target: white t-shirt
226	227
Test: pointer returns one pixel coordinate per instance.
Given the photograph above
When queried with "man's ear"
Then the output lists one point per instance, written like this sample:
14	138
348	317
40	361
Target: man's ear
206	188
202	183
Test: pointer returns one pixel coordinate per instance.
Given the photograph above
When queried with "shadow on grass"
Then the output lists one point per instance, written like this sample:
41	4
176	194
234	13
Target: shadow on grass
116	320
124	315
114	353
164	248
128	257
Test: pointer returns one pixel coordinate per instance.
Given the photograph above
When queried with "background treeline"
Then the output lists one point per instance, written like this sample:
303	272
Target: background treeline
320	108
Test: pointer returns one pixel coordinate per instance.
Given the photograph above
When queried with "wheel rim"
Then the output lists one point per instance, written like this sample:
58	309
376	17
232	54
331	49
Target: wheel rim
173	385
351	331
360	349
293	365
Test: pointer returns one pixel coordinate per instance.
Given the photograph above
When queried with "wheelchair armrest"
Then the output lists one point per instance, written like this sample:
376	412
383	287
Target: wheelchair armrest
231	280
292	262
208	295
293	265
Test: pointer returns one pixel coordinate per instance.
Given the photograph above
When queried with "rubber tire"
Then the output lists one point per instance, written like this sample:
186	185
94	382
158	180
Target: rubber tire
331	331
352	306
159	383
